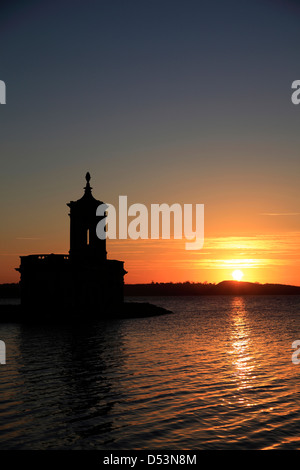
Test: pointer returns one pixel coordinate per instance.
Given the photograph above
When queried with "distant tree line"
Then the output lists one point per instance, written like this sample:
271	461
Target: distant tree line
10	291
223	288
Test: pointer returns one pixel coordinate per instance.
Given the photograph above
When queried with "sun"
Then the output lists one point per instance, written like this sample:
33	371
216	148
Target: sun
237	275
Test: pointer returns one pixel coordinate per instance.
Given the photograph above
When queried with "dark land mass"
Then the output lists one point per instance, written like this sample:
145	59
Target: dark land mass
12	291
223	288
15	313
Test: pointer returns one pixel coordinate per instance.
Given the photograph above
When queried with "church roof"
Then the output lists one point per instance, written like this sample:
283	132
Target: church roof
87	199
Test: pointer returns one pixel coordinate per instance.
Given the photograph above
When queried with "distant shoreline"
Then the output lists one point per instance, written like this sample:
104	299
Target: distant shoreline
12	291
223	288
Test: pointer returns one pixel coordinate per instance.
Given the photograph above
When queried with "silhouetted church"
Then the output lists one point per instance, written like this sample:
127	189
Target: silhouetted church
84	278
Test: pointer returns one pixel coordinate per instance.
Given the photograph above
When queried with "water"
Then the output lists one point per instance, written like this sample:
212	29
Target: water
217	374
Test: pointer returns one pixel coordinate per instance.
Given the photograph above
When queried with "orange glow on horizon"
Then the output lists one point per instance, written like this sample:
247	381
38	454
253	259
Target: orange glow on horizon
264	259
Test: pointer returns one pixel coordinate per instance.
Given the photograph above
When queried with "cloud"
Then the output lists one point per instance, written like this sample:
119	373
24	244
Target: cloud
280	213
27	238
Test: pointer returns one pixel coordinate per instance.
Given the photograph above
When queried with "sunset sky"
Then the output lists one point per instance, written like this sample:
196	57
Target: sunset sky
165	102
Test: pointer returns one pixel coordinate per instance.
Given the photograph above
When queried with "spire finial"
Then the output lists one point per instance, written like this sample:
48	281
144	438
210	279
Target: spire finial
88	187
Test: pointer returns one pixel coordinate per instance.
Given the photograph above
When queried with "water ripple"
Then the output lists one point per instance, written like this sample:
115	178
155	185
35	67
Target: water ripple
215	375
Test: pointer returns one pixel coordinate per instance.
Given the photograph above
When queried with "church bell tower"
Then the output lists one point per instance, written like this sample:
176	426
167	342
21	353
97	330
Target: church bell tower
85	246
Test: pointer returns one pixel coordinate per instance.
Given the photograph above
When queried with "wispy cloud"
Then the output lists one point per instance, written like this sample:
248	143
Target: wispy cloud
28	238
280	213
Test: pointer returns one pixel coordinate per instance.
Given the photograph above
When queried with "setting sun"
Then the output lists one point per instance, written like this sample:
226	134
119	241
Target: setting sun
237	275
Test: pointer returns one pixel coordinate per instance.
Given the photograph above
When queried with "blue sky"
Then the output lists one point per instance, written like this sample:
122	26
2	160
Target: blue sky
164	101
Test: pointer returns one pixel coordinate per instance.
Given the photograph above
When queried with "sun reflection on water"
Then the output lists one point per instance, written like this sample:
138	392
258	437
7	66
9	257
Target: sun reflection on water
241	346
